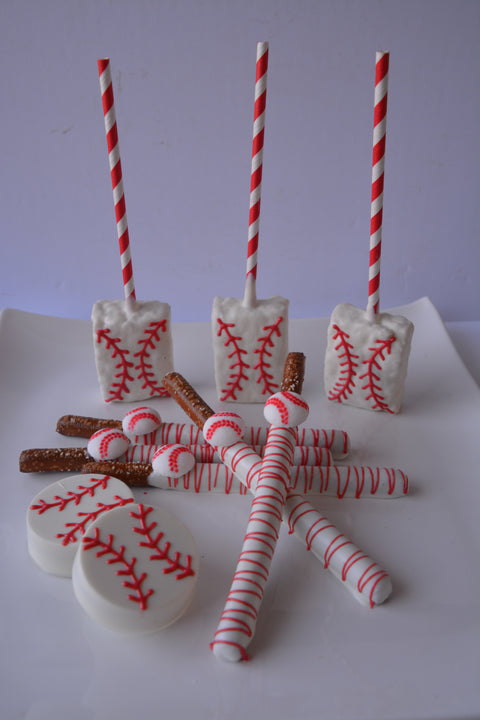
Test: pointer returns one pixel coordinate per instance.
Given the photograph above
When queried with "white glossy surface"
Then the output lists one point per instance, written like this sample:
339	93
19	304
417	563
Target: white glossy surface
316	650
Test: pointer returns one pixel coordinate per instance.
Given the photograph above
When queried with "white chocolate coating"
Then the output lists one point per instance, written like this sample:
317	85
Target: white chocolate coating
250	347
141	421
107	444
223	428
366	360
60	514
133	350
173	460
137	569
285	409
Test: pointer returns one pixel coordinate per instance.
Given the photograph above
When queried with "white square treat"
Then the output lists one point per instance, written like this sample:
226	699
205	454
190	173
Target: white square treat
133	349
250	346
366	360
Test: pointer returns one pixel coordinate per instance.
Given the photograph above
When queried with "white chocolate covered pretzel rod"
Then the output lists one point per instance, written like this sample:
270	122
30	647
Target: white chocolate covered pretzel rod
239	617
336	441
347	481
244	462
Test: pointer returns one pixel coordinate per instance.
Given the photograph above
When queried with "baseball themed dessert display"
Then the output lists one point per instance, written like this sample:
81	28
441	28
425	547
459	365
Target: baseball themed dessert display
367	351
132	339
136	570
250	336
360	574
59	515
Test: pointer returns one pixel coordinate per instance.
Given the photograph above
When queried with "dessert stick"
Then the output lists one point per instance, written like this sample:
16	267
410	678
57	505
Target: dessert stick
363	577
367	351
237	624
250	336
66	459
337	441
340	481
132	340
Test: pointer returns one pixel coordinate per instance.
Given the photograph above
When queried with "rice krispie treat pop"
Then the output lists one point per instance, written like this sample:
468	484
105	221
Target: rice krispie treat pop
132	339
250	336
367	351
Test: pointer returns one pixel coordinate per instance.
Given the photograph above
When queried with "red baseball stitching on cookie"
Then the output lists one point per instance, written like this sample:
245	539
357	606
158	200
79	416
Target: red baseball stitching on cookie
174	453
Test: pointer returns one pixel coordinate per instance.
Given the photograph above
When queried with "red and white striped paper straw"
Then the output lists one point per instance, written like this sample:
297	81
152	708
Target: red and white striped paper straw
256	171
117	179
378	169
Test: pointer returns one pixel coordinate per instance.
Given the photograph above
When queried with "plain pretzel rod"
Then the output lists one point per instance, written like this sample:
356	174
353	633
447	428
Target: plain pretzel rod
71	459
337	441
362	576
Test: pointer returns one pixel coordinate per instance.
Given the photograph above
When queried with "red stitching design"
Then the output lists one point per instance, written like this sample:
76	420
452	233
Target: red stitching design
60	503
118	388
373	379
118	556
345	383
269	387
174	564
144	367
239	366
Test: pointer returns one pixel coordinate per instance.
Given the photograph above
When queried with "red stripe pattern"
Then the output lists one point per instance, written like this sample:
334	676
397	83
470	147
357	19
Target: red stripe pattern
116	176
378	169
257	157
237	623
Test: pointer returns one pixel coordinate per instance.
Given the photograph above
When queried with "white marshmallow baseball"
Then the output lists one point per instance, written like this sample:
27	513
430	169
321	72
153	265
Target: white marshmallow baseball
224	429
136	570
173	460
60	514
141	421
107	444
286	409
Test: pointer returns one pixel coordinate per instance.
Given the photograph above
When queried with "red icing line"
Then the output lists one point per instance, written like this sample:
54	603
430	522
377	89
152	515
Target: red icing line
238	367
269	387
144	367
345	383
174	564
120	388
373	379
118	556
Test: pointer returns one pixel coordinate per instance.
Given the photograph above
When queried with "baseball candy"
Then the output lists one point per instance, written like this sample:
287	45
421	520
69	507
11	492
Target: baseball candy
224	428
60	514
107	444
285	409
136	570
173	460
141	424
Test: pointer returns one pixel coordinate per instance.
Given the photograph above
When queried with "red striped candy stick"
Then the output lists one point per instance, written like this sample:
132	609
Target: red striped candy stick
117	180
256	172
378	169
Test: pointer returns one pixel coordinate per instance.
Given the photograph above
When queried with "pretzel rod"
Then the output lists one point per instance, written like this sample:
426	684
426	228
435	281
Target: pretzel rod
237	624
73	459
337	441
342	481
244	462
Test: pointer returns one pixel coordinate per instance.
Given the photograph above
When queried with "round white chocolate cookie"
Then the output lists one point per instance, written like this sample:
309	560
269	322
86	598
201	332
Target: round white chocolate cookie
223	429
286	409
60	514
137	569
173	460
141	421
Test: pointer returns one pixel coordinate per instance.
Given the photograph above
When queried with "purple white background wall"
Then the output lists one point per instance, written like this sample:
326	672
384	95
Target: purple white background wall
183	80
